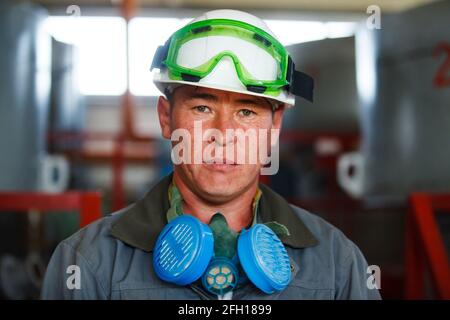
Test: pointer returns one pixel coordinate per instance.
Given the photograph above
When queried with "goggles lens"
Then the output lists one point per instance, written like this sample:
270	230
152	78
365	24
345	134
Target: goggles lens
212	49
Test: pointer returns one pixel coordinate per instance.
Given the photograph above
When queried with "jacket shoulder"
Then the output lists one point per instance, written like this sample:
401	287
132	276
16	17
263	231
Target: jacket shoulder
94	242
341	263
326	233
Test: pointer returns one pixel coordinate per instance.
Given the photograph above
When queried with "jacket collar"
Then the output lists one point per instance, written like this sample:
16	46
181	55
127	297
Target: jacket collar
141	223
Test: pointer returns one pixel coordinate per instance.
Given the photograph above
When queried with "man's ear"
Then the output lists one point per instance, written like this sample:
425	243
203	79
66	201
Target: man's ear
163	108
277	119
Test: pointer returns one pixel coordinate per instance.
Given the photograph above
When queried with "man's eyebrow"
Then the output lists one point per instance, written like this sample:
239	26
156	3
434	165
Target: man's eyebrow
203	96
257	102
213	98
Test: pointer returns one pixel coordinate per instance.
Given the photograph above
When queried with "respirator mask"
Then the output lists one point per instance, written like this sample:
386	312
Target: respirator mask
188	249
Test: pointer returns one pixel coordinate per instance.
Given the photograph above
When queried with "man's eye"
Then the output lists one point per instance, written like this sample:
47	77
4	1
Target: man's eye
202	109
246	112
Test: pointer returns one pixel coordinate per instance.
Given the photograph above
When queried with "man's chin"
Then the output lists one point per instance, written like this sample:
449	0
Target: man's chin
219	179
219	183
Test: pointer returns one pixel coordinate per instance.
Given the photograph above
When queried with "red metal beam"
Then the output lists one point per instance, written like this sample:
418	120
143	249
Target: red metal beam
87	203
118	190
125	149
423	236
414	263
72	136
90	208
348	140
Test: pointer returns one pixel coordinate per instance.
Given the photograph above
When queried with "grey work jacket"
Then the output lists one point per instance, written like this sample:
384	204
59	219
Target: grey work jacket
112	257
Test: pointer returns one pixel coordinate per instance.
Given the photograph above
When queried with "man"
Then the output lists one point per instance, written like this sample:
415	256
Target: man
209	230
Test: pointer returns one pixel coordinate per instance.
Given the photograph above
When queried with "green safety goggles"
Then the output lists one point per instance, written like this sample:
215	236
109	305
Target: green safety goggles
262	63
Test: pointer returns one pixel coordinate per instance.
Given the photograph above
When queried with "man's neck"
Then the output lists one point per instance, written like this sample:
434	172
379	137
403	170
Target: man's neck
238	211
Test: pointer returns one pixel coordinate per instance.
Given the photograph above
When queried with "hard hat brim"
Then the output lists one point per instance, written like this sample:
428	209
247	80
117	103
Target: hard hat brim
288	100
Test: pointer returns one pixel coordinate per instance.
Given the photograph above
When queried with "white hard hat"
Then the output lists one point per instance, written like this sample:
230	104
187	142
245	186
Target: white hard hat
230	50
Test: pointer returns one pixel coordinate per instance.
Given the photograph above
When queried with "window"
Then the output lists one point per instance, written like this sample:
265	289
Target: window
101	45
293	31
146	34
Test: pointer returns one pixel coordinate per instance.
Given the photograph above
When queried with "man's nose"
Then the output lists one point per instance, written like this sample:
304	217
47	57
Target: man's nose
226	126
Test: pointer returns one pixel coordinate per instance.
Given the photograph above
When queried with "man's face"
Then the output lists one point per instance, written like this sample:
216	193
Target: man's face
220	166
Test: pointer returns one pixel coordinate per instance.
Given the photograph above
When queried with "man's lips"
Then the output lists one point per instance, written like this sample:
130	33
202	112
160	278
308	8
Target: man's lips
220	161
220	164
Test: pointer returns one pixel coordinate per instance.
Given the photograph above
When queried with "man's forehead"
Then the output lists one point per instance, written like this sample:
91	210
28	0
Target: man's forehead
197	92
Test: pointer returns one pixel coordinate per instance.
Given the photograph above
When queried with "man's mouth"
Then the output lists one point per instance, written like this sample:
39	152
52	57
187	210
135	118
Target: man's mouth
220	164
220	161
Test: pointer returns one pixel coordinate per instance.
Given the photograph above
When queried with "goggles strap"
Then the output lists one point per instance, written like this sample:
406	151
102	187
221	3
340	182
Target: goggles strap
300	84
160	55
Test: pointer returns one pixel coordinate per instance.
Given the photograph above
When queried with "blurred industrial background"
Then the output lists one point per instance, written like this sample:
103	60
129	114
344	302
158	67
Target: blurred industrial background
79	135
